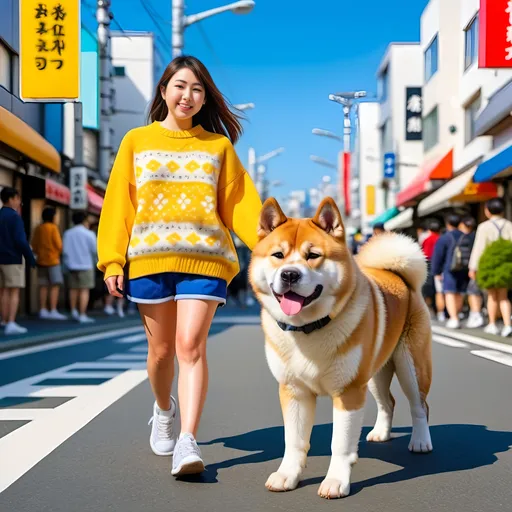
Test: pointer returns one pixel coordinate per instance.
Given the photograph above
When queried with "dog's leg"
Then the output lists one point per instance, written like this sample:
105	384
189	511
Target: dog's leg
348	412
379	388
298	405
409	377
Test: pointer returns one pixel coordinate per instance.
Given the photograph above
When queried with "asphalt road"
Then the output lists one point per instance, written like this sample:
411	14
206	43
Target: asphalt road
74	433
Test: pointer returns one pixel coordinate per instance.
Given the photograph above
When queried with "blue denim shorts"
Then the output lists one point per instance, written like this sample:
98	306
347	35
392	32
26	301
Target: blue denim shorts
166	286
455	282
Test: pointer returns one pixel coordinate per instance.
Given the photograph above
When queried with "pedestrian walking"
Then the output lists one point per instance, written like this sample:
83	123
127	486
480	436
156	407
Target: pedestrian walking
13	248
176	188
79	251
497	281
454	279
475	297
47	246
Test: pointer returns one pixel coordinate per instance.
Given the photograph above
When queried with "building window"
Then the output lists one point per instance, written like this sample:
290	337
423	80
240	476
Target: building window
431	129
471	43
470	115
5	67
384	85
431	59
119	71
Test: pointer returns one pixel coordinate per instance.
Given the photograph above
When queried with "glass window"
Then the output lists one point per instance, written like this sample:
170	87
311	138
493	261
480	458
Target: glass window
431	129
471	43
5	67
470	115
119	71
431	59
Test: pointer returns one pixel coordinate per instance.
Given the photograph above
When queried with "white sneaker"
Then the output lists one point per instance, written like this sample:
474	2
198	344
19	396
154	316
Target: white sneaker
475	321
75	315
14	328
84	319
506	331
55	315
441	317
186	459
163	439
109	310
44	314
453	323
491	329
120	312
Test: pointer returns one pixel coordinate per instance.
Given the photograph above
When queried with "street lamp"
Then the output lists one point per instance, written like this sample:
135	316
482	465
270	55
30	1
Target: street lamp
326	133
259	176
180	22
322	161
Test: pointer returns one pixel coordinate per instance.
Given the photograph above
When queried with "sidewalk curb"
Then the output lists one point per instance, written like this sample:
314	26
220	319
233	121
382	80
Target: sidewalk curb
42	339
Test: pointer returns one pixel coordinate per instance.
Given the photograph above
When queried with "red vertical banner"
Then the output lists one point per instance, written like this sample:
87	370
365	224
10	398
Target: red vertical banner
346	182
495	34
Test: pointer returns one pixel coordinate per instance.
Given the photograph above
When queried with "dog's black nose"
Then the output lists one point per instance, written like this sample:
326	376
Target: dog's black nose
290	276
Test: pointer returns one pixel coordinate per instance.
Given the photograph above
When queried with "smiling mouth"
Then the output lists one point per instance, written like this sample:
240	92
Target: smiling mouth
184	107
292	303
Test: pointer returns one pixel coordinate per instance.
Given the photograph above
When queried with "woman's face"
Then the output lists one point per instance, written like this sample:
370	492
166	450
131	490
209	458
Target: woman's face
184	95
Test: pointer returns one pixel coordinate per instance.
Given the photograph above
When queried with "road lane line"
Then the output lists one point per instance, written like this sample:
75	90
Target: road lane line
23	414
493	345
494	355
125	357
23	448
102	365
443	340
67	343
133	339
83	375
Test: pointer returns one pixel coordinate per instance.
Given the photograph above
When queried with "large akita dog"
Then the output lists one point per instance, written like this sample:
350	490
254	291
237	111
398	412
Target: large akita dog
337	325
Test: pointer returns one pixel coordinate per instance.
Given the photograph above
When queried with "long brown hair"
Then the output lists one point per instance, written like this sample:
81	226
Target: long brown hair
215	116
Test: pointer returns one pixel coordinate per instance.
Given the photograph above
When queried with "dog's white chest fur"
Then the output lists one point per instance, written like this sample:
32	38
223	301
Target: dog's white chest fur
311	359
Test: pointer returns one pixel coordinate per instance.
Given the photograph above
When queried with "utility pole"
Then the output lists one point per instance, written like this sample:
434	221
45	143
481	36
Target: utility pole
104	17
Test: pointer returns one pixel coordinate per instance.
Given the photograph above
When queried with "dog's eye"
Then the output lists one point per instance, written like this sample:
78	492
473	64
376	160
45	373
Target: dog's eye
278	255
312	256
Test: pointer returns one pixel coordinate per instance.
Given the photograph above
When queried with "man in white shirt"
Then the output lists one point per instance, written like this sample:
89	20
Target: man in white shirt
487	233
79	256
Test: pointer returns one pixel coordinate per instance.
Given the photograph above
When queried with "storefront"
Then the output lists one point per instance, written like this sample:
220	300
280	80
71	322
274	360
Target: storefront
431	176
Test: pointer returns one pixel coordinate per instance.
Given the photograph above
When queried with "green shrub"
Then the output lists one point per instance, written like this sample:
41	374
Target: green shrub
495	266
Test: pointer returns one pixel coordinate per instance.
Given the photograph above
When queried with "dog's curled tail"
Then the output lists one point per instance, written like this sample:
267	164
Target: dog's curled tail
397	253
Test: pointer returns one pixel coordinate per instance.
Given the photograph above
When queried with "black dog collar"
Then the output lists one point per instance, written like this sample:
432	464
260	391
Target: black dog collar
308	328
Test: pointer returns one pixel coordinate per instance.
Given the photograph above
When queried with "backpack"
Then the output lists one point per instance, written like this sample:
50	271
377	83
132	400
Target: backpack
460	256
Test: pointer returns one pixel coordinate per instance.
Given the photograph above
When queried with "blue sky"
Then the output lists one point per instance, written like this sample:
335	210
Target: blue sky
286	59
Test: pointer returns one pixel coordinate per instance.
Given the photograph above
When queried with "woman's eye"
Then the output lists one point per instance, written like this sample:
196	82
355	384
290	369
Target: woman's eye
278	255
179	86
312	256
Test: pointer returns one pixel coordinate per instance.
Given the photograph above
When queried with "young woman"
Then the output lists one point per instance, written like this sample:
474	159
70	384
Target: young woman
176	189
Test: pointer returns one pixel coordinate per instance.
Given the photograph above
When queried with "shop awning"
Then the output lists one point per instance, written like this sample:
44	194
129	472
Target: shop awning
402	221
461	189
386	215
95	200
497	110
498	166
441	169
23	138
57	192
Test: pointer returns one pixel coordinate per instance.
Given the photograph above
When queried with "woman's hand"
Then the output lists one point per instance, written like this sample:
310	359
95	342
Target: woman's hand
472	274
115	285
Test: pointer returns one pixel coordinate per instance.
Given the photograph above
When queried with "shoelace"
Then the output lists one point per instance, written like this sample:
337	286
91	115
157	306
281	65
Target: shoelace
187	446
163	426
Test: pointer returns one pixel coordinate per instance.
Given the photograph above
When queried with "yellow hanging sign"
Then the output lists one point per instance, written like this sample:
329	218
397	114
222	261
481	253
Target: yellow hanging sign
49	50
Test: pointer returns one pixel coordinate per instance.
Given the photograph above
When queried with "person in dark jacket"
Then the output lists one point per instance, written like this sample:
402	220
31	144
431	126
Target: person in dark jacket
13	247
455	283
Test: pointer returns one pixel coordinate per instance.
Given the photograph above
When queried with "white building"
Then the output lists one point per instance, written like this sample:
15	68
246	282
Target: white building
371	177
136	67
400	77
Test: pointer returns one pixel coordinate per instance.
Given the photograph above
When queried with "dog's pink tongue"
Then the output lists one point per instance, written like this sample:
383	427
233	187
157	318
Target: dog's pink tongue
291	303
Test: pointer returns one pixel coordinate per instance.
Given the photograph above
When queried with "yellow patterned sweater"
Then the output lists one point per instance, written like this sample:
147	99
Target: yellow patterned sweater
170	200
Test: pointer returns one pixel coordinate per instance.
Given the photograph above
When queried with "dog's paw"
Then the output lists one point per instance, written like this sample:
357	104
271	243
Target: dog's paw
420	439
379	434
331	488
280	482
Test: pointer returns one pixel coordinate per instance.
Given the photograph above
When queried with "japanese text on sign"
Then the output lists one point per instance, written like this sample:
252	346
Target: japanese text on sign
49	54
508	50
413	109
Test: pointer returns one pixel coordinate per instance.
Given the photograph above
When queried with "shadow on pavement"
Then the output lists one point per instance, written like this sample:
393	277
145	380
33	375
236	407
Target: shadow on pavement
456	448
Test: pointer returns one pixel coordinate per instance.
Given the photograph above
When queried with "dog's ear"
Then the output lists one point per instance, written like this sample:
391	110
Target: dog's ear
271	217
328	217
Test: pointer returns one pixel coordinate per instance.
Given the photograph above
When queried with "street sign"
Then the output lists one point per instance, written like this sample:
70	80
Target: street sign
49	50
389	165
78	187
413	113
495	43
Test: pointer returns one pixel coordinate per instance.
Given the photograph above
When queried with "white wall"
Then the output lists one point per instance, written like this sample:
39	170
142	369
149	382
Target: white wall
134	91
370	161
